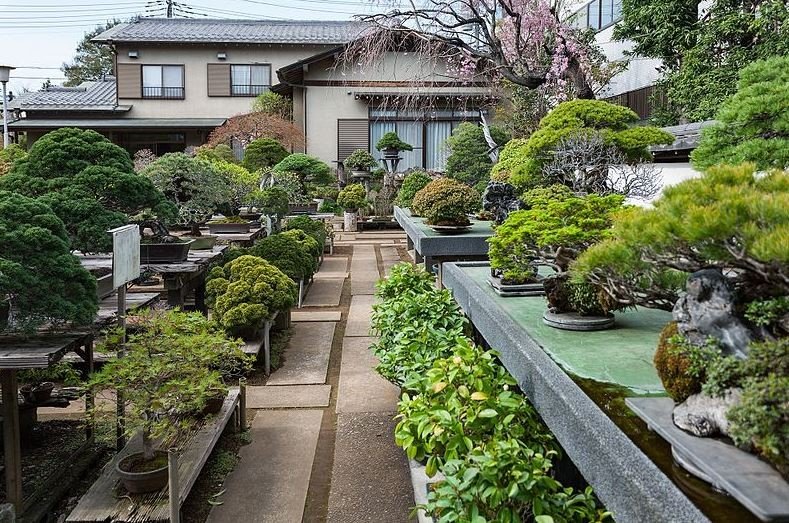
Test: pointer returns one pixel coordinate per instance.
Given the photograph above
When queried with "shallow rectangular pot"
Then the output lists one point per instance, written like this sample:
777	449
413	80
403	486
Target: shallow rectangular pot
164	252
228	228
104	286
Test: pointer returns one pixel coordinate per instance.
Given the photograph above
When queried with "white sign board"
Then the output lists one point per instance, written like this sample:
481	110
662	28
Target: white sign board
125	254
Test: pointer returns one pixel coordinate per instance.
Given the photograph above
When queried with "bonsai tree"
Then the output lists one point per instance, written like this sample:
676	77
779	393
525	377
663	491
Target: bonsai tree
360	160
469	160
241	183
290	183
217	153
9	155
38	384
446	202
40	280
412	184
195	186
287	253
314	228
751	124
271	201
245	292
263	152
390	142
88	182
308	168
244	128
309	243
274	104
521	161
352	198
172	364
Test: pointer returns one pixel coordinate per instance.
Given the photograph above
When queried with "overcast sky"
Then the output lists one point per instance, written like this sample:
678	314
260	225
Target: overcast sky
37	36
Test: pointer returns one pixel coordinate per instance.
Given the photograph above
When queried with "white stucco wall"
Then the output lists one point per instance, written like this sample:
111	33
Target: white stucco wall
196	102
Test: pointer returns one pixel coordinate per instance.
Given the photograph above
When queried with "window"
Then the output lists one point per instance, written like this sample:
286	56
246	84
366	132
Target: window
249	80
597	14
163	81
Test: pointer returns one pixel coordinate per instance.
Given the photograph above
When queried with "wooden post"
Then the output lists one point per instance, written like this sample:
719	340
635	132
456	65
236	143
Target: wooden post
267	347
11	439
242	404
301	291
174	486
120	411
89	402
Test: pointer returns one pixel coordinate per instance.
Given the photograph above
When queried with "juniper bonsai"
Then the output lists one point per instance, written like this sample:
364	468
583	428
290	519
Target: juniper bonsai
446	202
412	184
88	182
262	153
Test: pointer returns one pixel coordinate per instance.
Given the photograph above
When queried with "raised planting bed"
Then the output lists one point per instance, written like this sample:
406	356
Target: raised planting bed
578	381
106	500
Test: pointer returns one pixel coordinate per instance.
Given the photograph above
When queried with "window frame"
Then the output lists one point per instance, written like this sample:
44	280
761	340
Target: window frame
180	96
251	94
598	15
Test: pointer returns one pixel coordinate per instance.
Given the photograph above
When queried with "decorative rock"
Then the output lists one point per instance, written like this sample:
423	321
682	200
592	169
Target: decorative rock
704	415
499	199
708	310
572	321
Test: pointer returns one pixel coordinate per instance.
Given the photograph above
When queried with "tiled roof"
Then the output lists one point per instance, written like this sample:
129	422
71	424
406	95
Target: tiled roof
88	96
182	30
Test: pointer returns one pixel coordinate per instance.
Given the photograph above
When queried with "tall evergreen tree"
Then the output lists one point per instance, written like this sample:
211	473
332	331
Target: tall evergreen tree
92	60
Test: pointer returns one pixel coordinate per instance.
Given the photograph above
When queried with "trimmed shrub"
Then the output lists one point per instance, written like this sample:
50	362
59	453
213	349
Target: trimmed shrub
270	201
314	228
9	155
286	252
218	153
352	197
469	161
360	160
262	153
308	168
413	183
446	202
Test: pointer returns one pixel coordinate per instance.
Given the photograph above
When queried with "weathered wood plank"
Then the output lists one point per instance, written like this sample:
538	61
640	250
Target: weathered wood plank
107	501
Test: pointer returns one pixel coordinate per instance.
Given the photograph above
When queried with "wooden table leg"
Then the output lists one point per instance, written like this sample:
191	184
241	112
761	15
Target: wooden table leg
11	438
200	296
89	394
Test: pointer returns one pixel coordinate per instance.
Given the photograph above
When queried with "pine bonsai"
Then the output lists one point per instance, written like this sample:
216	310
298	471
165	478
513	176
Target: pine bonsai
40	280
360	160
262	153
314	228
446	202
469	159
88	182
391	142
285	252
412	184
271	201
307	167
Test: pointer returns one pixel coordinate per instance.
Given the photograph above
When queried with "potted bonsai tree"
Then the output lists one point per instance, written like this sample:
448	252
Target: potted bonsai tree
390	145
157	245
360	162
412	184
351	199
38	384
289	253
445	204
168	371
308	170
247	291
271	202
194	185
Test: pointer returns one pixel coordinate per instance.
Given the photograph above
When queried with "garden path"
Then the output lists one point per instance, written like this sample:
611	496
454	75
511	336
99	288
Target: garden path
322	427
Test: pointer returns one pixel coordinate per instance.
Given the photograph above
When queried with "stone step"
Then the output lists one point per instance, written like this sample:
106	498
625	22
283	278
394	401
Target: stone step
361	389
270	483
334	265
300	316
287	396
359	316
307	355
324	292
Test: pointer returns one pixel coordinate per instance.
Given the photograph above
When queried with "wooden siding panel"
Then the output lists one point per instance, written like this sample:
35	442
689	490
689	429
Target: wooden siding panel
218	79
352	134
129	81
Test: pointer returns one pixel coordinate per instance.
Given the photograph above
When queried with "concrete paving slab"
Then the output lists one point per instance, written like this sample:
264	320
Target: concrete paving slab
307	355
389	257
359	316
324	292
297	316
365	242
370	480
287	396
363	286
361	389
337	265
270	483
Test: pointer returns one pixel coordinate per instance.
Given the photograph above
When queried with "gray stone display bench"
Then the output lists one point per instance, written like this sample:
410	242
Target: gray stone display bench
106	500
630	485
262	341
751	481
432	248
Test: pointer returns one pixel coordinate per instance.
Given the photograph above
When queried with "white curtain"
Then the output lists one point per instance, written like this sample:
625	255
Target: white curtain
172	76
240	78
152	76
411	133
437	153
261	75
377	130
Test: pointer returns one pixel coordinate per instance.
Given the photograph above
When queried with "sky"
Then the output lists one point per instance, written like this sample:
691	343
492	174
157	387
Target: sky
37	36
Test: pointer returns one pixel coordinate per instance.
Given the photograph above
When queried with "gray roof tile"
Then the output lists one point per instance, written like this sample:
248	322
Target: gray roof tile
94	95
180	30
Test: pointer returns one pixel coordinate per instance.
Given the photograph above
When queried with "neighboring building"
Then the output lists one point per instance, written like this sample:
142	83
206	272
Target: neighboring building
177	79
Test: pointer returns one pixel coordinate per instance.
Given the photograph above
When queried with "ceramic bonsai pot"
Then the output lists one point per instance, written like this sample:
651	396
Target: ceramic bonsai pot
390	153
360	175
203	242
164	252
214	404
572	321
228	228
142	482
450	229
302	208
37	393
518	289
350	221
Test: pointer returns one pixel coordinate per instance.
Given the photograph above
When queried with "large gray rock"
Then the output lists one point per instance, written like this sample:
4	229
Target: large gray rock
707	310
704	415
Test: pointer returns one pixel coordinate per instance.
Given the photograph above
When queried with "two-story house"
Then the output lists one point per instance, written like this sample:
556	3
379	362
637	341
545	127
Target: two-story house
177	79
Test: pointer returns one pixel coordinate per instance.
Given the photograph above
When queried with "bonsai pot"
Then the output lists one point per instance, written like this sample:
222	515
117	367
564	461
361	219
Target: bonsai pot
302	208
139	477
104	286
214	404
450	229
164	252
360	174
228	228
251	216
349	221
534	288
572	321
390	153
203	242
37	393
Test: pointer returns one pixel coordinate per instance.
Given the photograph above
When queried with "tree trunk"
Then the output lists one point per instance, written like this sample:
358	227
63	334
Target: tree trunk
196	229
147	445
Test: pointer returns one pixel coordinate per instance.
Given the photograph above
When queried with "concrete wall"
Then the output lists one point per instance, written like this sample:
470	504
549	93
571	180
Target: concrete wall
197	103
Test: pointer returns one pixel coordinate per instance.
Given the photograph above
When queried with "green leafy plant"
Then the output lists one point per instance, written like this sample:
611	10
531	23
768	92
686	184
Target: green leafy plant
328	192
751	124
330	206
769	313
314	228
469	160
273	104
195	186
60	372
412	183
308	168
169	369
404	278
290	183
521	161
730	218
271	201
9	155
286	252
246	291
240	183
352	197
360	160
40	280
229	219
390	141
88	182
218	153
446	202
262	153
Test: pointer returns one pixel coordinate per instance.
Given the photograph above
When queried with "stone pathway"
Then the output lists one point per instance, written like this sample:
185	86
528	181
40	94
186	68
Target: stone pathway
322	432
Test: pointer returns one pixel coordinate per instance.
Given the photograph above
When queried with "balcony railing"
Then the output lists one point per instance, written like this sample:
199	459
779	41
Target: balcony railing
166	93
249	90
